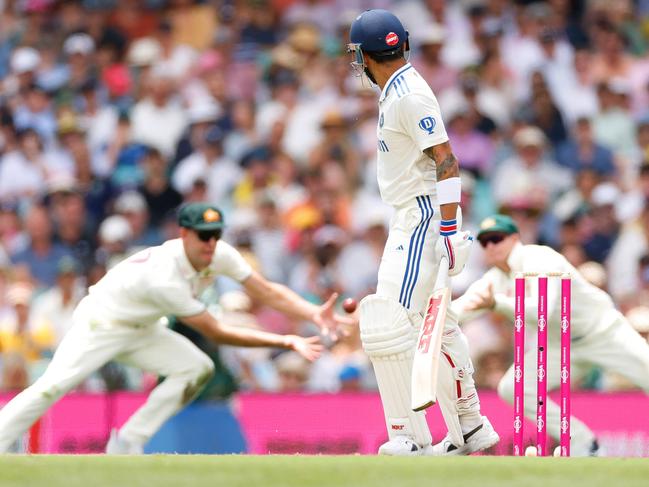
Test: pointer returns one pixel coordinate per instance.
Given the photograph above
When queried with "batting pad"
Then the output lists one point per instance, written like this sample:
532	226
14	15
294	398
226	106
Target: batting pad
389	340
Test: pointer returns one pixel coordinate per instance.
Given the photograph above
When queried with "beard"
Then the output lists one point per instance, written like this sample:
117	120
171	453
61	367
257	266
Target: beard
369	75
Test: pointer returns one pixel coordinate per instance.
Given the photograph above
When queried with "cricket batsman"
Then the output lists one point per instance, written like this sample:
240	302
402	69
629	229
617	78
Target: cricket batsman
601	335
121	319
419	176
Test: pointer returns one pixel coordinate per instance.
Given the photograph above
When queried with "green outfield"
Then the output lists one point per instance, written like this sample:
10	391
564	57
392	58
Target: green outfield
305	471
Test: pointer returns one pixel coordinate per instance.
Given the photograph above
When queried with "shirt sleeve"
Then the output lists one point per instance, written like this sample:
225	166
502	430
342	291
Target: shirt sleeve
177	300
231	263
421	119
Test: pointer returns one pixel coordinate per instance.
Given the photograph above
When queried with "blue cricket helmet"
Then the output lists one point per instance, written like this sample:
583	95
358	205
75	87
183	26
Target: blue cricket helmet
378	31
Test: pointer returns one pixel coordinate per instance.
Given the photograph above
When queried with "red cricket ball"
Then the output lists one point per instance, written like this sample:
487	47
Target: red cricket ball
349	305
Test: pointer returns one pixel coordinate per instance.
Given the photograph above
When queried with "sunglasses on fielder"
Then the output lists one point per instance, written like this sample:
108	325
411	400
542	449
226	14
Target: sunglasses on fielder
207	235
494	238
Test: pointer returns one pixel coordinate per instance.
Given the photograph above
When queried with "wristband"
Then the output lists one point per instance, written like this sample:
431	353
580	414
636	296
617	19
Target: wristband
449	190
448	228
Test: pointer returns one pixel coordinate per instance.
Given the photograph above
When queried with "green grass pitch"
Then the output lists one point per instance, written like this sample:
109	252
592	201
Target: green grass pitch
306	471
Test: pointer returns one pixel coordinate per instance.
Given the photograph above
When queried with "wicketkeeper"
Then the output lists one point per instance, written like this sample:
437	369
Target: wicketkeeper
601	335
121	319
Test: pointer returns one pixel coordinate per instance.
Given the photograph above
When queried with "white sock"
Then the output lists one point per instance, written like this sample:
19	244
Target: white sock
470	421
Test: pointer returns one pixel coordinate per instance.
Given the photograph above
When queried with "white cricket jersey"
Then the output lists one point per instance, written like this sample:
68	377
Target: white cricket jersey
592	309
410	121
160	281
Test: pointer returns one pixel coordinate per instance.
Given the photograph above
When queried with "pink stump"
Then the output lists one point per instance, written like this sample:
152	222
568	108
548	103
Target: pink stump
542	368
564	439
519	365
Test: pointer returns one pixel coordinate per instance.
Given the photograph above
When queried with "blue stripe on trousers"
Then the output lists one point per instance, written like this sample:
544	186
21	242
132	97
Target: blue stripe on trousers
415	247
429	207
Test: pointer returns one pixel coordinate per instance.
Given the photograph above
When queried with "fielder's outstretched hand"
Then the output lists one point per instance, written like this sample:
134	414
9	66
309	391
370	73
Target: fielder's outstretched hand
309	347
482	299
332	324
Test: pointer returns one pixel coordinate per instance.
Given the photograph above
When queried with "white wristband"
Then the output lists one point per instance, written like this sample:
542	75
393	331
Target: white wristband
449	190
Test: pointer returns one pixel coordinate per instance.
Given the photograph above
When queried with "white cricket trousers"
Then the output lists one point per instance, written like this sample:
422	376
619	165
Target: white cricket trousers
91	343
407	274
619	349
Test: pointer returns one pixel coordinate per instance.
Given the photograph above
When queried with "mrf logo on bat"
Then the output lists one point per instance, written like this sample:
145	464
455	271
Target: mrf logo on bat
429	324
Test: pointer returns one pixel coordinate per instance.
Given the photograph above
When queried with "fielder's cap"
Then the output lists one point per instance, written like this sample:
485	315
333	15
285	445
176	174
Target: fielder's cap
200	216
497	224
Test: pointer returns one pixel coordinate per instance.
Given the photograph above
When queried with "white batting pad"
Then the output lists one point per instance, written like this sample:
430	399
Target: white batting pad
389	339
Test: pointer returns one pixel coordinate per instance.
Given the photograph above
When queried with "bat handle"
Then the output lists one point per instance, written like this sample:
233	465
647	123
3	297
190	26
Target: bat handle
442	273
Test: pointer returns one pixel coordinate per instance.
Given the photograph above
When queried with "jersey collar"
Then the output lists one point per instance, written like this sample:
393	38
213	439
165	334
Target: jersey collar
390	82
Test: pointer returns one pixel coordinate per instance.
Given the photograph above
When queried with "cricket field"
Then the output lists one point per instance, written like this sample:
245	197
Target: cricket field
306	471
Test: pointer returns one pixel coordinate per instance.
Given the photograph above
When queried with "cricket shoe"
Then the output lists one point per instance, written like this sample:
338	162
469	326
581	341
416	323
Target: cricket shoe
403	446
119	446
478	439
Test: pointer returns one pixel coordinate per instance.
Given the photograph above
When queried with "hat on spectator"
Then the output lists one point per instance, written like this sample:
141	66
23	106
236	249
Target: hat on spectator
203	111
433	35
19	293
25	59
329	235
333	119
68	123
529	137
130	202
200	216
605	194
114	229
619	86
497	224
78	44
257	154
491	27
144	52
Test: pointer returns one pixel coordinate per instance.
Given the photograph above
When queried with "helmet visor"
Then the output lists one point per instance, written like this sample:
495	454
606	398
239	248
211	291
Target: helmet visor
356	52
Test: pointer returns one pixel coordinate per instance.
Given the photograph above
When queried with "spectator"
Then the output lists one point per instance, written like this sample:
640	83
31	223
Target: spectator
582	152
41	253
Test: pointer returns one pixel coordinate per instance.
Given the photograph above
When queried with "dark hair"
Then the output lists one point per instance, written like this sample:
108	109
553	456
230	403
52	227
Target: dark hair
384	58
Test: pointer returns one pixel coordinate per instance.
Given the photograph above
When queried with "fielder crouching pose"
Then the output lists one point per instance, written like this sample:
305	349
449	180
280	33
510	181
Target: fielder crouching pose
601	335
419	176
120	319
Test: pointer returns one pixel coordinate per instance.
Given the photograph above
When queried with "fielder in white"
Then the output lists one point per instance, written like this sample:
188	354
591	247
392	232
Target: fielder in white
419	176
121	319
601	335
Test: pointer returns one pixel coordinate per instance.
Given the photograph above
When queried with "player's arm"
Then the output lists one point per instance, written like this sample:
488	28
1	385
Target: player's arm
207	325
283	299
448	179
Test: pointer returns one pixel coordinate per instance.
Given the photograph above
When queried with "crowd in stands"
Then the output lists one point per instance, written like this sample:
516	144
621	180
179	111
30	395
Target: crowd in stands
115	112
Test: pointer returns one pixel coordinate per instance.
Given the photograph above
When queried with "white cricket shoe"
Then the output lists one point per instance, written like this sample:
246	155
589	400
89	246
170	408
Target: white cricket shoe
119	446
478	439
404	446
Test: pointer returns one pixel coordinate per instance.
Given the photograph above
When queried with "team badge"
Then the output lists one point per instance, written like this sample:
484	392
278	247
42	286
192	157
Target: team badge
427	124
211	215
487	223
391	39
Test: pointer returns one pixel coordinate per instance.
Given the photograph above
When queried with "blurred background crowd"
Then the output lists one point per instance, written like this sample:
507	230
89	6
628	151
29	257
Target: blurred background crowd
115	112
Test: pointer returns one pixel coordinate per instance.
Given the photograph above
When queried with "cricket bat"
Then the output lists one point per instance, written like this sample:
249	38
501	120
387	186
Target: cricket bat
425	365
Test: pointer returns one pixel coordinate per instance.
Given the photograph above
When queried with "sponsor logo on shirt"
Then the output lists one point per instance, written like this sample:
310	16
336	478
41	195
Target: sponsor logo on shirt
427	124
